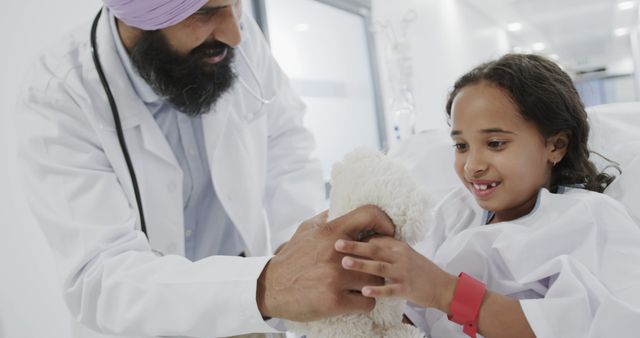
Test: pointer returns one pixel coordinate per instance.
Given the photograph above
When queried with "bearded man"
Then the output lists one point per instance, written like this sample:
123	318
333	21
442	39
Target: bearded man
164	156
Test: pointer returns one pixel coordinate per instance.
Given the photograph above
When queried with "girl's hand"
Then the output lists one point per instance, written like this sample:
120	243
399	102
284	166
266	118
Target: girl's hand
408	274
412	276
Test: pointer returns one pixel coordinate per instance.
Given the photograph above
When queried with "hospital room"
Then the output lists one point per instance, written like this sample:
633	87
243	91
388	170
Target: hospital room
320	168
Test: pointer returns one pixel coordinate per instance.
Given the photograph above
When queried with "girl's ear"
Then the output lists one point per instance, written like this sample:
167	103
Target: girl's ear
557	146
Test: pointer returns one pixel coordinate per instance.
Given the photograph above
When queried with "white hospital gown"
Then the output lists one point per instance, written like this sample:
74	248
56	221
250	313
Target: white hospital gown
574	263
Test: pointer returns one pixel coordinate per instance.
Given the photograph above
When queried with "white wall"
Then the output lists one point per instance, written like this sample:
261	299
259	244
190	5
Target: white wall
324	52
448	39
30	301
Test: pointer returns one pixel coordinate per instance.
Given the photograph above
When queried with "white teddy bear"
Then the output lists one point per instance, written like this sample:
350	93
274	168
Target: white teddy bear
368	177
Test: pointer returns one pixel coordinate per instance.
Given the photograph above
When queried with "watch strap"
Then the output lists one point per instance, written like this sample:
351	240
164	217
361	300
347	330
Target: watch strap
465	305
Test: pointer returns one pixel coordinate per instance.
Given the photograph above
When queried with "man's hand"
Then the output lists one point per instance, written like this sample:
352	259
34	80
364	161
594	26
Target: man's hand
305	280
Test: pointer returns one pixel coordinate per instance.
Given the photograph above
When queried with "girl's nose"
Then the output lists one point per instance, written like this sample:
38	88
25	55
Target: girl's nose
475	166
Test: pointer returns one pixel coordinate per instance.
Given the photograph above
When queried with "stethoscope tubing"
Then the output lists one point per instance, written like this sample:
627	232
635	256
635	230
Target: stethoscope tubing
116	120
258	96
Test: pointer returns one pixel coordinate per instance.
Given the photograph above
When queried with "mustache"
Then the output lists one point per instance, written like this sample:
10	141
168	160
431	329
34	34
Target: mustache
209	48
183	79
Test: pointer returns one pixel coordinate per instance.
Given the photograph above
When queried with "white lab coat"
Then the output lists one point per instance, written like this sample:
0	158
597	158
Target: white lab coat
81	194
572	262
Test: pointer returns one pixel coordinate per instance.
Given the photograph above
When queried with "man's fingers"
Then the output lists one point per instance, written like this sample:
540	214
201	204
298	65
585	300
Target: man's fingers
367	219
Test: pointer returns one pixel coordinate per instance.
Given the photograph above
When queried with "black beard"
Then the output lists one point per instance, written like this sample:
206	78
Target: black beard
187	82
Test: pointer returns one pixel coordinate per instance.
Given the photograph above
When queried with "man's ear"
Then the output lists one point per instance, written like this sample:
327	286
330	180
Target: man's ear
557	146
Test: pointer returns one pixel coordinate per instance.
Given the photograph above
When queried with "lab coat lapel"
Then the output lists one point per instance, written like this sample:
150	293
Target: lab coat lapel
132	110
158	172
236	172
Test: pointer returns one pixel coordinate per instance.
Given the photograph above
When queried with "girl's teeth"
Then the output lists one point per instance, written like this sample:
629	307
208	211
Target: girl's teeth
484	186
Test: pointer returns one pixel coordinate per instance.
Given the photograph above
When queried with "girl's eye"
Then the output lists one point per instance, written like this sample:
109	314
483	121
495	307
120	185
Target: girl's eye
496	144
460	147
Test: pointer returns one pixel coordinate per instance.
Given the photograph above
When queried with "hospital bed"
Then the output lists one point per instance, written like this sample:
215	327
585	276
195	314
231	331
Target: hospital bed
615	133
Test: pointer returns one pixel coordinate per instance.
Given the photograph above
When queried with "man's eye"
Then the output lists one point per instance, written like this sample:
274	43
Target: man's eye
207	11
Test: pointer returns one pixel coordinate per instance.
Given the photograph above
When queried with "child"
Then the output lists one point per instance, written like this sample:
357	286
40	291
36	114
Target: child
539	250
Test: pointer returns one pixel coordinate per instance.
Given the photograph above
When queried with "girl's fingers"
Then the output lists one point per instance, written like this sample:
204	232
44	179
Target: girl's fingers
362	249
376	268
389	290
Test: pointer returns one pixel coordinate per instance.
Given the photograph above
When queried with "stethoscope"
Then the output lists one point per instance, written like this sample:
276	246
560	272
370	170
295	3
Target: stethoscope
258	95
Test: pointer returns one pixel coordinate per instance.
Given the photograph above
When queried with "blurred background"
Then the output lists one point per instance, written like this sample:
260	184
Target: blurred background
372	73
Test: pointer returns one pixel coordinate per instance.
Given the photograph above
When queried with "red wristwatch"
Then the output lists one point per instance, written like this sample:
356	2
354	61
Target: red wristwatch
465	305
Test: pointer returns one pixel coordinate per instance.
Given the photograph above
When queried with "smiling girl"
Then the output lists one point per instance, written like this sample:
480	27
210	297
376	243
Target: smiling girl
530	246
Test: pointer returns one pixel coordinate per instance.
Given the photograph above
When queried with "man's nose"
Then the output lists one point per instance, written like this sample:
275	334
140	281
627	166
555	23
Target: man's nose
227	28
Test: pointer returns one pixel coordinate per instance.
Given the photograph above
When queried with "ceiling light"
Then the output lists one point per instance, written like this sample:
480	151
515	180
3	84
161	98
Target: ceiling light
538	46
621	31
625	5
514	27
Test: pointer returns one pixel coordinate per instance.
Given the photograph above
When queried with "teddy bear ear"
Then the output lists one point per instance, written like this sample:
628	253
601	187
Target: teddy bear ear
366	176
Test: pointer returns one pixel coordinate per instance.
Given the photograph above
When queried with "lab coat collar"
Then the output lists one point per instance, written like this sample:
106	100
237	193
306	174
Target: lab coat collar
131	108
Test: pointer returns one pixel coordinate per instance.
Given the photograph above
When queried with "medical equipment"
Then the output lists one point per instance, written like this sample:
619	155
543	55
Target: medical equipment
116	120
397	44
249	117
260	95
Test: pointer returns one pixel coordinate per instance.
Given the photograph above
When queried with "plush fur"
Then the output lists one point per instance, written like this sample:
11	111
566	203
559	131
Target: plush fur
368	177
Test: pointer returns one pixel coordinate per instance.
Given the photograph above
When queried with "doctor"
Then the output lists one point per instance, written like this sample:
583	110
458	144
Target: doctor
213	165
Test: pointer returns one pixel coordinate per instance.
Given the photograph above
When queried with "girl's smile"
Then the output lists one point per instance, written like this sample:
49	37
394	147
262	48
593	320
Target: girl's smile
502	159
483	189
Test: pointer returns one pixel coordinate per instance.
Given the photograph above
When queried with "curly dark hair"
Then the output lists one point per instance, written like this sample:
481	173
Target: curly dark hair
545	95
